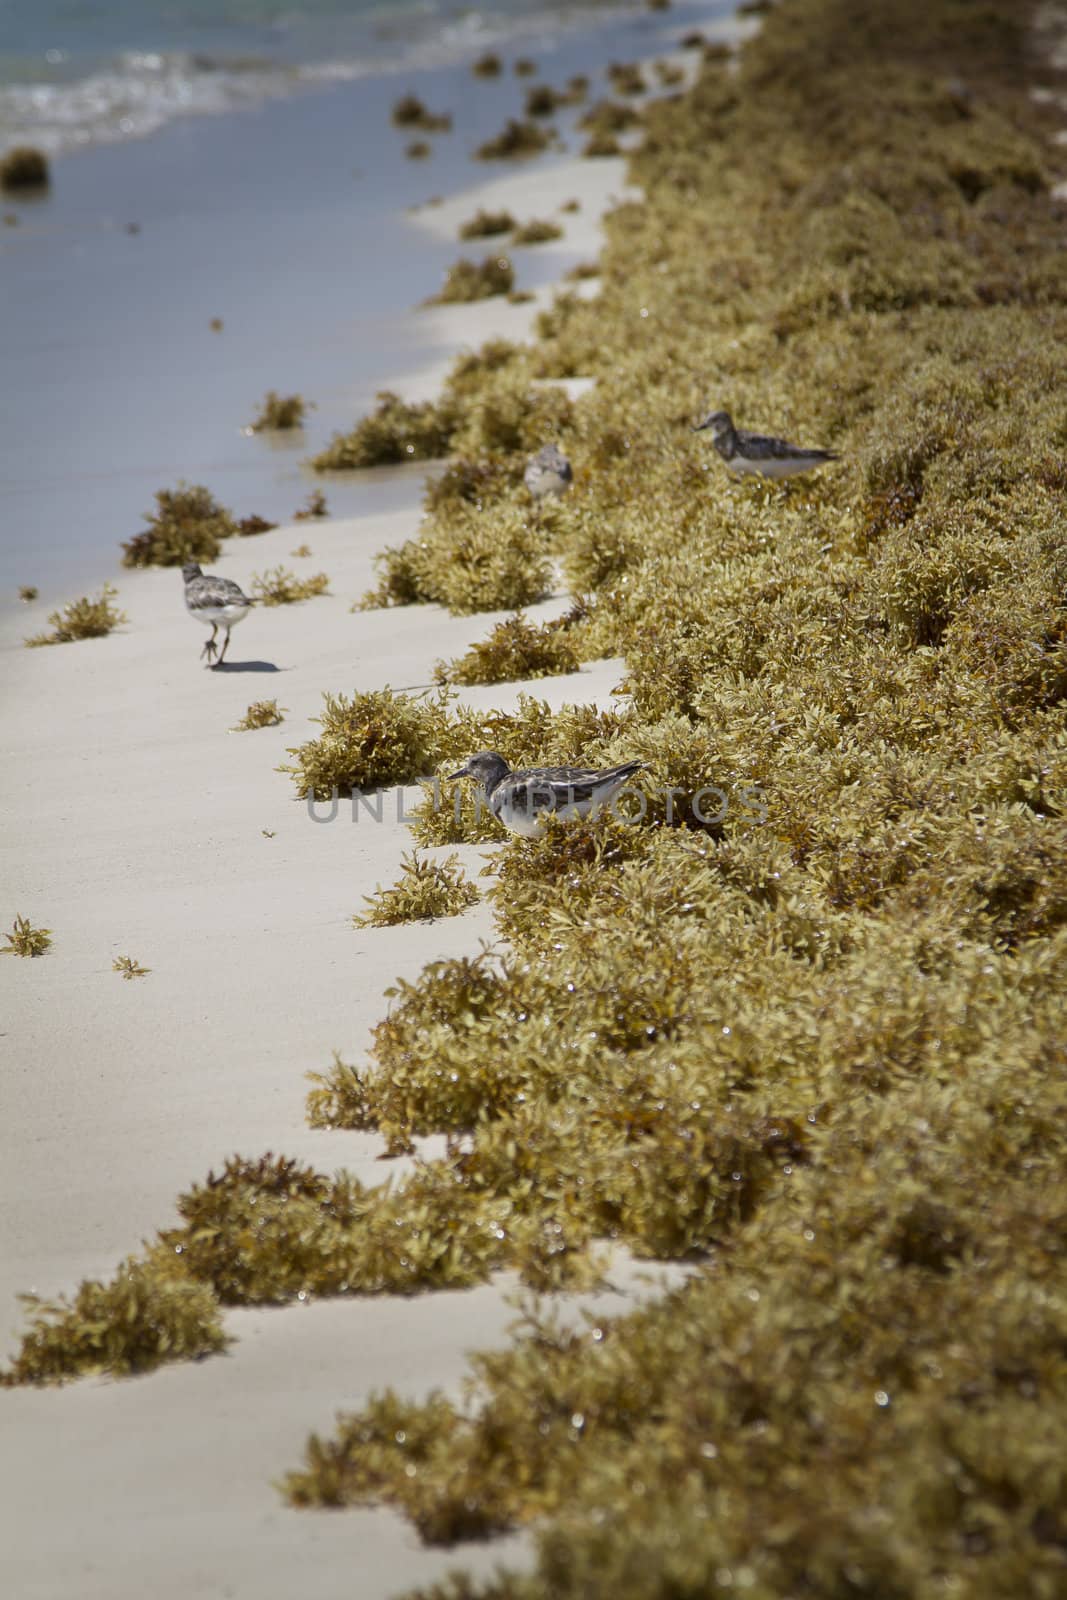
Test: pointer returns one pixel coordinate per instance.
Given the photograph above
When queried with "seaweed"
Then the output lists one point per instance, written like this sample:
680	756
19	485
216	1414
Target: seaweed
24	168
279	411
371	740
488	65
470	280
260	714
514	141
188	524
28	592
280	587
484	224
249	526
409	112
147	1315
395	431
537	231
426	890
515	649
313	508
129	967
82	619
26	940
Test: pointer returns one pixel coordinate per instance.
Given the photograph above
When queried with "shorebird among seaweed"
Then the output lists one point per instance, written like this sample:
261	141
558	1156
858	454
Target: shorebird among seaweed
548	472
758	452
217	603
524	800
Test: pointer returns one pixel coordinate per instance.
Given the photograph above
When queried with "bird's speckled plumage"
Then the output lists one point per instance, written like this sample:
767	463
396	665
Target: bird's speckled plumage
216	602
760	453
548	472
523	800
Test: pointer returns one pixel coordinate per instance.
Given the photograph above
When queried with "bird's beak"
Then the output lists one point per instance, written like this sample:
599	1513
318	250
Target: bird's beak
462	773
700	426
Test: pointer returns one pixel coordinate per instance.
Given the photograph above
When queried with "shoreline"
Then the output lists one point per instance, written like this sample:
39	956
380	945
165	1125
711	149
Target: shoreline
169	398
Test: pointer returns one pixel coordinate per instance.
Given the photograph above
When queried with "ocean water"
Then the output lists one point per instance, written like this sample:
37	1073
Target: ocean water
80	72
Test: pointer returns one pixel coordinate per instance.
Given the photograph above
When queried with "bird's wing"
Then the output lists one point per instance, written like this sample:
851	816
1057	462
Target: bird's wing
764	447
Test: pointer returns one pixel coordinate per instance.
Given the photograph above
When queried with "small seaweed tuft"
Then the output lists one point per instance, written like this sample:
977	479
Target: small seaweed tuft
248	527
150	1313
426	890
129	967
537	231
514	141
601	144
280	411
515	649
372	740
26	940
410	112
313	508
394	431
24	167
188	524
484	224
475	280
260	714
488	65
82	619
280	587
627	78
28	592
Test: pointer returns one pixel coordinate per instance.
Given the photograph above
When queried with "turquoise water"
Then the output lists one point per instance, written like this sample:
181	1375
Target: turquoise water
81	72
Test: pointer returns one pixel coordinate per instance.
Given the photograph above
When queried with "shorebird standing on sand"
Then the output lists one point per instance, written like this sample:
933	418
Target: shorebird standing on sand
548	472
217	603
758	452
523	801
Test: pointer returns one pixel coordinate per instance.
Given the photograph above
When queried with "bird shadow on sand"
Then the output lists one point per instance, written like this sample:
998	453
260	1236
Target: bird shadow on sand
246	666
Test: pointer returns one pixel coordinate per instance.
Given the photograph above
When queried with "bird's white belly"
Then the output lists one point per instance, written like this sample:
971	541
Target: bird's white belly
224	616
518	819
772	466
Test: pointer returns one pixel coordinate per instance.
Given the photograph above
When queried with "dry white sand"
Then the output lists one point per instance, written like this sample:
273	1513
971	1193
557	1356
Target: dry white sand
138	826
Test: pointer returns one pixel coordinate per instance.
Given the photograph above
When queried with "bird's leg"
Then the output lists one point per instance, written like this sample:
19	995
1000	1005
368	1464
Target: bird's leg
209	647
225	647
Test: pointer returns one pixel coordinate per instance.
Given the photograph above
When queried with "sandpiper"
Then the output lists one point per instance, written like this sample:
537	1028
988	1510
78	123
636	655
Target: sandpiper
758	452
548	472
217	603
524	800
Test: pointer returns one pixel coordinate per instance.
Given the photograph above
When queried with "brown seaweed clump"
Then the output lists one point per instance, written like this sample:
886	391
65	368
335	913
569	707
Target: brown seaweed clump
260	714
488	65
24	168
475	280
313	508
249	526
370	741
280	411
149	1314
188	524
515	140
484	224
426	890
86	618
26	940
537	231
280	587
395	431
130	968
515	649
409	112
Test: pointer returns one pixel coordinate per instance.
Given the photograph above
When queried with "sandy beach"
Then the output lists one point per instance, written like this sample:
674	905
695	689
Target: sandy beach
139	824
